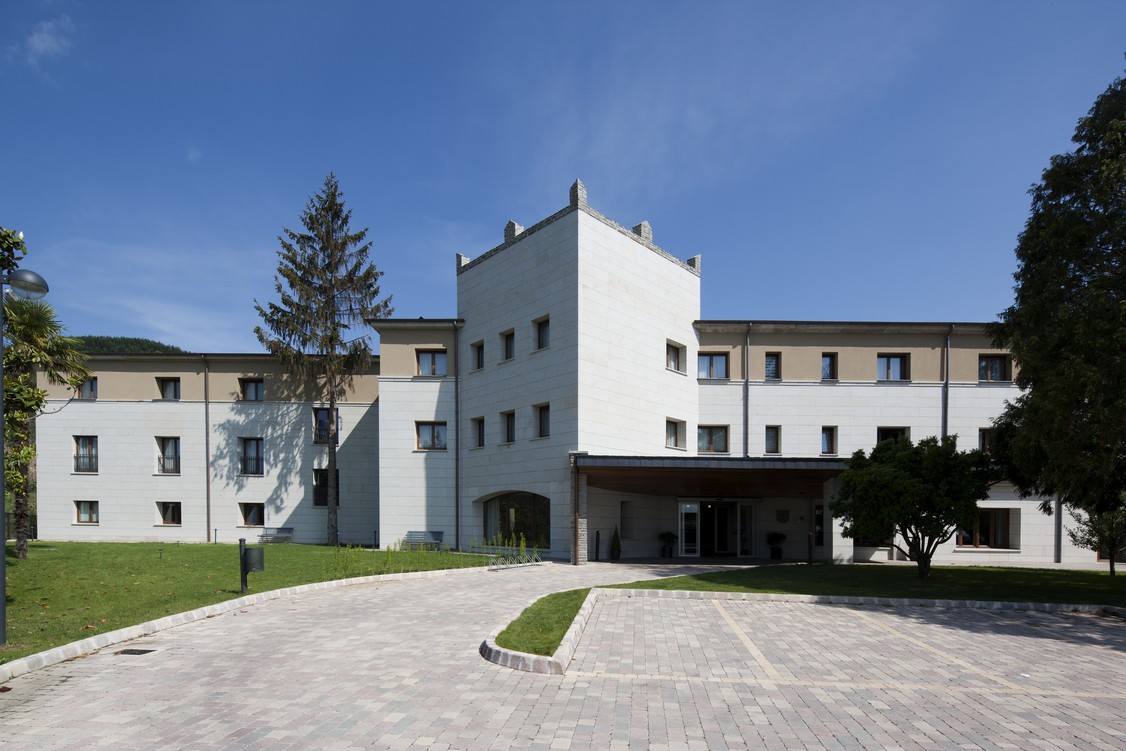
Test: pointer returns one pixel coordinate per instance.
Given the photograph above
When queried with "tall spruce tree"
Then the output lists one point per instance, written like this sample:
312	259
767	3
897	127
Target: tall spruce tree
1065	436
326	286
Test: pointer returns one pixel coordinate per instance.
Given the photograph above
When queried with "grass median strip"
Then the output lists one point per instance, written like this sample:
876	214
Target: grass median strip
66	591
541	627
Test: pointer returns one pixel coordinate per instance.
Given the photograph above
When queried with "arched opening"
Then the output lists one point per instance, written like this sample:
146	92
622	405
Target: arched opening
510	515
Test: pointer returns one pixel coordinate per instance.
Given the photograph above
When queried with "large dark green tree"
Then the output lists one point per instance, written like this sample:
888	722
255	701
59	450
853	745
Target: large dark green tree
1065	436
326	287
918	495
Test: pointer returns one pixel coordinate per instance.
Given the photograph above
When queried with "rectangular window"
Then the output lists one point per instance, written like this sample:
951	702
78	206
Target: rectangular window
252	458
169	512
711	439
674	357
543	334
543	421
773	439
892	368
86	512
508	426
773	369
508	345
819	525
432	362
674	434
479	431
994	368
828	366
477	352
169	388
252	389
86	453
711	365
320	487
88	389
253	514
322	423
891	434
431	436
828	439
168	461
984	440
991	530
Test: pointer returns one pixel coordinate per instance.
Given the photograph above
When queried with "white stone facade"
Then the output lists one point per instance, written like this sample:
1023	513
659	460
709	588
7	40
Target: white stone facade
577	392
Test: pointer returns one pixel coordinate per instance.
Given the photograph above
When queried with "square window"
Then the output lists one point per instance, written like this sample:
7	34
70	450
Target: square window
711	439
994	368
990	531
431	436
86	512
508	345
674	434
88	389
253	514
252	459
477	351
320	487
86	453
828	366
773	368
543	421
252	389
169	388
543	333
479	431
828	439
711	365
322	424
773	439
169	512
432	363
674	357
508	423
892	368
891	434
168	459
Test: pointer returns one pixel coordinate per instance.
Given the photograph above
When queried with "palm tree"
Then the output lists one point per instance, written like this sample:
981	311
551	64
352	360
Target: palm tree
35	343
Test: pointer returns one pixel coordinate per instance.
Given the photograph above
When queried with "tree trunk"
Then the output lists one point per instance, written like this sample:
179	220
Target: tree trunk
333	490
1112	565
22	508
924	562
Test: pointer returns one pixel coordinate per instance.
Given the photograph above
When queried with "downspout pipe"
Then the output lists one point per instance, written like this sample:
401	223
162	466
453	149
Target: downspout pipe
207	441
457	439
747	393
946	384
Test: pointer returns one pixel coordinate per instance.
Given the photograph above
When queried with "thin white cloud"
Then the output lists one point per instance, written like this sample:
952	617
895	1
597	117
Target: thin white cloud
49	40
193	154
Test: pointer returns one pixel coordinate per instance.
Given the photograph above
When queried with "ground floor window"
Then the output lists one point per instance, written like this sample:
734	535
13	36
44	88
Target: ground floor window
990	531
86	512
511	515
253	514
169	512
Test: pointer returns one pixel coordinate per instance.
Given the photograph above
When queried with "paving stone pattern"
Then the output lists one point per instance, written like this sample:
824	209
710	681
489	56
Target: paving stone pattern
394	665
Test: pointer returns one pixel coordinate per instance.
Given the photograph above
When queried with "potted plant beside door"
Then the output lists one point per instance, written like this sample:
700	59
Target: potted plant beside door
668	541
774	541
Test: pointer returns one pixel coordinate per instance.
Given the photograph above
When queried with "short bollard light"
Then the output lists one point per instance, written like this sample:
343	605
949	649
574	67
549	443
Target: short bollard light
250	559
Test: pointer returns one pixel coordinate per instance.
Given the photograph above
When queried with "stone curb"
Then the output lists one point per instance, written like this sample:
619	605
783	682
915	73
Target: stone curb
558	662
10	670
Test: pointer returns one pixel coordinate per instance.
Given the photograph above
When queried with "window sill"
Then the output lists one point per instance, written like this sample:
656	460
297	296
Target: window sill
165	474
676	448
774	453
972	549
429	451
888	381
507	443
85	524
505	362
428	377
830	380
713	453
541	349
250	526
678	372
999	384
540	438
167	525
94	474
829	453
476	448
713	380
248	474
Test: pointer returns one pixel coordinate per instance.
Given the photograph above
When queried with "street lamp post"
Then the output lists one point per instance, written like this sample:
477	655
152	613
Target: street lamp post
30	286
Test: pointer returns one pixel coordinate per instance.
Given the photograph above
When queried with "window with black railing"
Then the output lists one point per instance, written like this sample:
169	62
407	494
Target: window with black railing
86	463
322	418
168	463
85	453
251	461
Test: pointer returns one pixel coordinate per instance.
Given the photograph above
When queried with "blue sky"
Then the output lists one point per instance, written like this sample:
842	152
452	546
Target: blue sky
829	160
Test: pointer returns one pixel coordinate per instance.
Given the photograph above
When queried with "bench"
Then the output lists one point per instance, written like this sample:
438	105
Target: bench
275	534
423	540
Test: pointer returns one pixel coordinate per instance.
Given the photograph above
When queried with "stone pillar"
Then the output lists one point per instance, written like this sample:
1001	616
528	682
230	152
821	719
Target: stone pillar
579	548
578	195
644	231
511	230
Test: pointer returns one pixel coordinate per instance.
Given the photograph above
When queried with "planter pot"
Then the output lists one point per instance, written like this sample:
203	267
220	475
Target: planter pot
666	551
776	554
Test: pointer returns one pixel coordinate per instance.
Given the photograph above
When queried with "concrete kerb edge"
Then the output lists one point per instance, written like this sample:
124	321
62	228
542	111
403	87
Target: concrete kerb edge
15	668
558	662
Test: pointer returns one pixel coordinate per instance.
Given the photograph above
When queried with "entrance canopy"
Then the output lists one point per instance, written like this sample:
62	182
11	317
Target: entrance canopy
719	477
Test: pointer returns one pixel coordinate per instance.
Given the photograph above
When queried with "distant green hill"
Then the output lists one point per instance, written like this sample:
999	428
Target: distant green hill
124	345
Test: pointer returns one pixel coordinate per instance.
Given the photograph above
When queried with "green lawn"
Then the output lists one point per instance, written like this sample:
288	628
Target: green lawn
68	591
541	627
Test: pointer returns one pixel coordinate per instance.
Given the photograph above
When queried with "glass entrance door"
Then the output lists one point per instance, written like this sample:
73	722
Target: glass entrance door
690	529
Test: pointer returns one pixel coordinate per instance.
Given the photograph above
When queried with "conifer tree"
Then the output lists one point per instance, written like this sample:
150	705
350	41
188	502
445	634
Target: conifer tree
326	288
